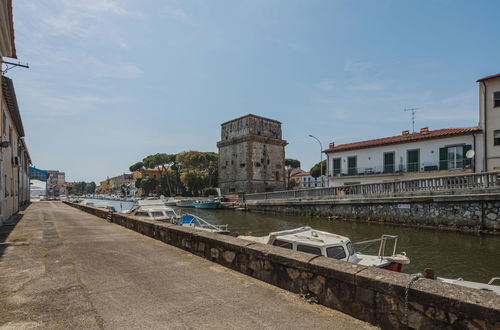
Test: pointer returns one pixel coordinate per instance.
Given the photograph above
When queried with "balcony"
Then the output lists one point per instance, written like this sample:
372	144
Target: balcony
462	165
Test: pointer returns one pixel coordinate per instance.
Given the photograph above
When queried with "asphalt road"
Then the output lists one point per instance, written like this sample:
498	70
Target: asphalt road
61	268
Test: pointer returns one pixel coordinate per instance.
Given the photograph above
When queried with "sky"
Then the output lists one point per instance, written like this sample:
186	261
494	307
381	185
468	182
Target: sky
112	81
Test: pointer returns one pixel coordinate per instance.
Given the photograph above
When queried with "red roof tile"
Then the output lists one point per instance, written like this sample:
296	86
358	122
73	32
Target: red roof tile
489	77
438	133
302	174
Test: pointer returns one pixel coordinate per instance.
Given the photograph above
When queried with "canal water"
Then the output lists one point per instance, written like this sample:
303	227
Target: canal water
450	254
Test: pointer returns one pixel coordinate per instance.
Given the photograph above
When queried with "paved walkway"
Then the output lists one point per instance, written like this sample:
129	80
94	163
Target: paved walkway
61	268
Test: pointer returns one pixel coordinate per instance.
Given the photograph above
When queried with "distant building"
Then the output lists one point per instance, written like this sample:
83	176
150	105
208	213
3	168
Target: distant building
38	182
116	185
251	155
154	173
56	184
305	180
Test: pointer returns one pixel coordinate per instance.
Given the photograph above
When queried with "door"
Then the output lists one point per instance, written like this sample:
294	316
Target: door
389	162
352	165
336	166
413	160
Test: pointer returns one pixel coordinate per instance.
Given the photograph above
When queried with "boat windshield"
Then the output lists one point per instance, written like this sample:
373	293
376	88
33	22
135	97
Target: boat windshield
155	214
170	214
336	252
350	249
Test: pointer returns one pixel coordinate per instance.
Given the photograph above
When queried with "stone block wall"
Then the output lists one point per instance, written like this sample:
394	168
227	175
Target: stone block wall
367	293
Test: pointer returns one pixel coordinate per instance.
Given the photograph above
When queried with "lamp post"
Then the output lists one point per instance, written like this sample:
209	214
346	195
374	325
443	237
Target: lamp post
320	157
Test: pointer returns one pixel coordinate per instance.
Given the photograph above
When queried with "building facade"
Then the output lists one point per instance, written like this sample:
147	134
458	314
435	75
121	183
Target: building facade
116	185
154	173
14	156
489	120
56	184
251	155
304	180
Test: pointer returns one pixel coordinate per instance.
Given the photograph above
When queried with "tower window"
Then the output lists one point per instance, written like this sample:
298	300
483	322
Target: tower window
496	99
496	138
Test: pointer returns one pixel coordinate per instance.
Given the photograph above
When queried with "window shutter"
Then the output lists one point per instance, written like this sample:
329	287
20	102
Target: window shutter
467	161
443	158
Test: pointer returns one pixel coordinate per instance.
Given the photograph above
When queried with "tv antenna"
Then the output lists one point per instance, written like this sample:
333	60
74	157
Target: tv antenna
413	111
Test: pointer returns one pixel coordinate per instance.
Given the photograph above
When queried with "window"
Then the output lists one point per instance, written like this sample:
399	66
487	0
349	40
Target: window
309	249
277	176
141	214
496	99
388	162
155	214
496	138
455	157
4	123
283	244
352	164
336	166
336	252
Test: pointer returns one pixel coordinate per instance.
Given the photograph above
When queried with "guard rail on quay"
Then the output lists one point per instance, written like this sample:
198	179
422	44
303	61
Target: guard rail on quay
475	182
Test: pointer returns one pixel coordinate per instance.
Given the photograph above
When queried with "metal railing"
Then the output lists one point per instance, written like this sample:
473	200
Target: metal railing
445	183
410	167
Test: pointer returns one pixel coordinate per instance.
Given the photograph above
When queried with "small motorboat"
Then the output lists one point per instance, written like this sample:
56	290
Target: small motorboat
106	206
306	239
193	221
208	204
86	202
153	209
475	285
169	202
185	203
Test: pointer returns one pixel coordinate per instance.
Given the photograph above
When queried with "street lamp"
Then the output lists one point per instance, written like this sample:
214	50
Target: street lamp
320	157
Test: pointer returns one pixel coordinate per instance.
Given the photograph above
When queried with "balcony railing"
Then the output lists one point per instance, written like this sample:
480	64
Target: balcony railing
410	167
445	184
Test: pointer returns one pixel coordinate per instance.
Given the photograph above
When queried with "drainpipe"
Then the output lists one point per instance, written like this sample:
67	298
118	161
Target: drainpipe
485	132
474	148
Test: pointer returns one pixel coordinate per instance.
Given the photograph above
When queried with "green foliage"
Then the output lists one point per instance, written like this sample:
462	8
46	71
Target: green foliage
80	188
135	167
292	184
241	192
292	163
149	184
316	169
207	191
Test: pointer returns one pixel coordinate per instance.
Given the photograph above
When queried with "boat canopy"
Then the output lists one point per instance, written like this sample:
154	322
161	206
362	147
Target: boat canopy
150	202
309	236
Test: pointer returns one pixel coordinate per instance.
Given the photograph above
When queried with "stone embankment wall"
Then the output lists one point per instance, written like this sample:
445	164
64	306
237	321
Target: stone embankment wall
477	213
370	294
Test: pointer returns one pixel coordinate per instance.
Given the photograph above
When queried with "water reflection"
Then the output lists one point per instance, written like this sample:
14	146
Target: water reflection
450	254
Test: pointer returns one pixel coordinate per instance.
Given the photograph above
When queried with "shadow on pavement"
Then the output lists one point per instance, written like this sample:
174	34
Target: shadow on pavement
7	228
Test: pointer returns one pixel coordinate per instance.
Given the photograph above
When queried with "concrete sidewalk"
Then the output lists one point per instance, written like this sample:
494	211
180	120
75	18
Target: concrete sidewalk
62	268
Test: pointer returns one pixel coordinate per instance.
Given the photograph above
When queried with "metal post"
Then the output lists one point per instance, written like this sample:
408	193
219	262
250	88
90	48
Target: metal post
320	157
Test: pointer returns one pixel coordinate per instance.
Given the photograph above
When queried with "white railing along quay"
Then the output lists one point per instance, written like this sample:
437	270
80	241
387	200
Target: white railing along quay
474	181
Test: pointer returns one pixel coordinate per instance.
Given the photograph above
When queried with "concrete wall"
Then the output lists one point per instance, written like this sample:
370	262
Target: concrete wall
457	212
369	294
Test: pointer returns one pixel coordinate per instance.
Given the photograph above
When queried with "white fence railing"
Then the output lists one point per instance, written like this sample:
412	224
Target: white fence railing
474	181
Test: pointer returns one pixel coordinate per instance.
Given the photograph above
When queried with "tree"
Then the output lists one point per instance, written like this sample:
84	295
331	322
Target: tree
162	161
292	163
148	184
208	191
69	188
135	167
90	187
316	169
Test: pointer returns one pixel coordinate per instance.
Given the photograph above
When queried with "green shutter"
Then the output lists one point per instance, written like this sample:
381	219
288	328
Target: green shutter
443	158
467	161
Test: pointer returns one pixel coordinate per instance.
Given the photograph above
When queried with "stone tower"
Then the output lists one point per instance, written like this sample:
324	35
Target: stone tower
251	155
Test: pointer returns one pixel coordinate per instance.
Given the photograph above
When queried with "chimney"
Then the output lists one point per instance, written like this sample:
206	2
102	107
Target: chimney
406	132
331	145
424	130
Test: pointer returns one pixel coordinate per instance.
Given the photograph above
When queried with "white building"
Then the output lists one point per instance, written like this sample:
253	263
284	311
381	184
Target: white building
426	153
409	155
304	180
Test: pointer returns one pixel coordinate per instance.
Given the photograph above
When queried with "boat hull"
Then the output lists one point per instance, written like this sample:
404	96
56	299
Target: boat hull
395	267
207	205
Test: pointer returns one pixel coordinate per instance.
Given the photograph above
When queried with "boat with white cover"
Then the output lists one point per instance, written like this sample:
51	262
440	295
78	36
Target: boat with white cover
185	203
153	209
193	221
306	239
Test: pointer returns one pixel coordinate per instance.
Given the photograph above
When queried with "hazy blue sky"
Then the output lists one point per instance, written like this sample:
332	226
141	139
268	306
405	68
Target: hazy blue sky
113	81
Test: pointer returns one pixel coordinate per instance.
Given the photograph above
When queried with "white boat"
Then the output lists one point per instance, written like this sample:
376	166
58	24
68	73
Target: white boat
185	203
193	221
169	202
153	209
475	285
306	239
86	202
106	206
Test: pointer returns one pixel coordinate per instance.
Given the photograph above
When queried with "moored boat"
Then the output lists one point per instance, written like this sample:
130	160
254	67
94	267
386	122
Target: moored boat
475	285
153	210
185	203
208	204
193	221
306	239
169	202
